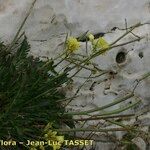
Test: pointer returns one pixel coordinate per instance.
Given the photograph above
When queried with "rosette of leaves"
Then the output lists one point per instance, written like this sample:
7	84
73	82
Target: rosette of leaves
28	94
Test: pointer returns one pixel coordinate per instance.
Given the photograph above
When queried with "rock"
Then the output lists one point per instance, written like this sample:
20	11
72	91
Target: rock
49	23
140	143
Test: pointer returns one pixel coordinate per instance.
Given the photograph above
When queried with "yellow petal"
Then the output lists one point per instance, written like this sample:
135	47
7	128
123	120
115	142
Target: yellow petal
55	147
91	37
102	43
72	44
60	138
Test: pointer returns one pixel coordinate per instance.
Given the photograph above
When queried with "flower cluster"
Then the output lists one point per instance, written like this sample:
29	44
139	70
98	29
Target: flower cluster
52	135
72	44
98	43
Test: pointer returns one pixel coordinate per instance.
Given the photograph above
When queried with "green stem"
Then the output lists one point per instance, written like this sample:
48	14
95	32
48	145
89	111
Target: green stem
132	28
76	73
146	75
120	110
20	28
79	88
93	77
117	123
84	67
103	107
92	130
102	117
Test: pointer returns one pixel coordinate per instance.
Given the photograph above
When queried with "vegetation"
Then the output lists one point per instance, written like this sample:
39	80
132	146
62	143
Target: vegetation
33	104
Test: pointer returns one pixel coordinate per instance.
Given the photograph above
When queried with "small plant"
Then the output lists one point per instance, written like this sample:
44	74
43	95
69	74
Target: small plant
33	106
28	94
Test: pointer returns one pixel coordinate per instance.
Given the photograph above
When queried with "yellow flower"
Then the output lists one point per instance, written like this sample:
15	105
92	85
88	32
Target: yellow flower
101	43
52	135
60	139
72	44
91	37
55	147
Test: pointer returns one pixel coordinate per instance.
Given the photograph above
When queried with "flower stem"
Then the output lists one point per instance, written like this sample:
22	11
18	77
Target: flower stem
103	107
102	117
120	110
93	130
